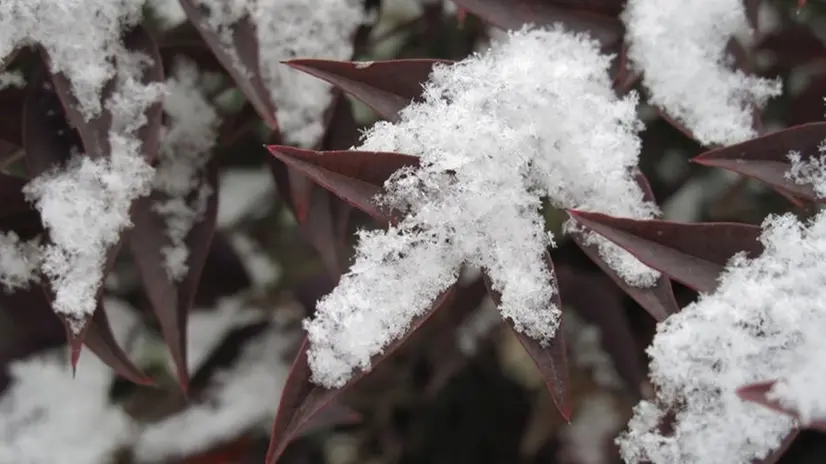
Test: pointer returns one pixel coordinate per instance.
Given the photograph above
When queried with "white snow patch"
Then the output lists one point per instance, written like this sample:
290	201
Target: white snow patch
544	122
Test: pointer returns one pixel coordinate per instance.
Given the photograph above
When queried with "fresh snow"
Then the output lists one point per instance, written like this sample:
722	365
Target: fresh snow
288	29
680	48
85	54
764	322
19	262
187	139
535	116
809	171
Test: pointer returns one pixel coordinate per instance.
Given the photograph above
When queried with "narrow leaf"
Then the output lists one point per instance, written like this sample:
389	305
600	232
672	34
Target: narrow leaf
766	159
657	300
354	176
758	393
513	14
550	359
692	254
100	339
384	86
301	400
11	120
240	58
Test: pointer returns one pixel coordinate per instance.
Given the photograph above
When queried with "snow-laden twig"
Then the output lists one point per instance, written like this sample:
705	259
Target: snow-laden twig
680	47
288	29
534	116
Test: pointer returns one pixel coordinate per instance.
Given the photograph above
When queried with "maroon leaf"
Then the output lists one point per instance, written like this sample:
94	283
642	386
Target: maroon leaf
11	120
765	158
354	176
301	399
240	59
513	14
657	300
550	359
147	240
758	393
384	86
100	339
599	301
692	254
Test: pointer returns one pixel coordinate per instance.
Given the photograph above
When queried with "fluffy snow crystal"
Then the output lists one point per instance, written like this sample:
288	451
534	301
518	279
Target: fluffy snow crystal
288	29
19	261
534	116
186	142
764	322
811	171
48	416
680	47
83	53
85	204
234	404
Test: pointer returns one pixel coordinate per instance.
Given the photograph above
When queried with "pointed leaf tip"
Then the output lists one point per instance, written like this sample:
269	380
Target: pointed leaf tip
693	254
766	158
301	400
758	393
354	176
385	86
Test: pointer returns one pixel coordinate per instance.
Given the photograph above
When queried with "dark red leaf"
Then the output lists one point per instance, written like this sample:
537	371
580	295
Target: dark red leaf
599	302
100	339
384	86
513	14
11	117
241	60
223	273
184	40
658	300
301	399
758	393
765	158
692	254
147	240
354	176
550	359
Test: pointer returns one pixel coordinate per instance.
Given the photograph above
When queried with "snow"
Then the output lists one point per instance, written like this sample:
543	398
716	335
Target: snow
534	116
585	440
680	47
764	322
288	29
810	171
186	143
85	204
84	54
243	193
263	271
19	262
12	79
48	416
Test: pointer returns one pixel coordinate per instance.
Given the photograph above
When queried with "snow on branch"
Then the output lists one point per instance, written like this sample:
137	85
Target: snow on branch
534	116
680	47
187	139
84	53
85	204
288	29
765	322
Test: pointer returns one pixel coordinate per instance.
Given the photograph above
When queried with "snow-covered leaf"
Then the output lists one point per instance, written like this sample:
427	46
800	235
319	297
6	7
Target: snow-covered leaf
692	254
658	299
301	399
549	357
